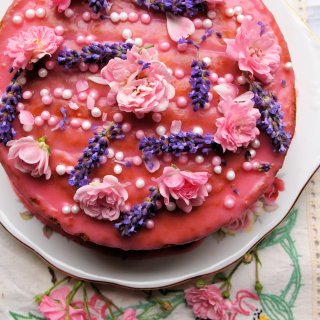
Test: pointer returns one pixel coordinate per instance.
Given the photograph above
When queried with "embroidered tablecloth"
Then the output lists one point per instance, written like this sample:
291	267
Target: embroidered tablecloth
289	270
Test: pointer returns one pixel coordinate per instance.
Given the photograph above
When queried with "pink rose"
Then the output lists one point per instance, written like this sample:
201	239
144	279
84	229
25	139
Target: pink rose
238	127
54	307
130	314
32	45
272	193
61	4
208	303
103	200
30	156
187	188
256	50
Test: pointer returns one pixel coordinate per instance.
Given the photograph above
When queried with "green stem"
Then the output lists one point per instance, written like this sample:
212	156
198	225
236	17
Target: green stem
258	285
71	295
85	302
227	283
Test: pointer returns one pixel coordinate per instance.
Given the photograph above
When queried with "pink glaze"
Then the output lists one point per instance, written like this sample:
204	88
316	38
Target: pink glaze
67	145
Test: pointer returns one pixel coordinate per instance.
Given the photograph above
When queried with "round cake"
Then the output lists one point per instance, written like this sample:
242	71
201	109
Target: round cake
143	124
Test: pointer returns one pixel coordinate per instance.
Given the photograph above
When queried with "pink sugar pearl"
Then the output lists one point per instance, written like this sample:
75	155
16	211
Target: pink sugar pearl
164	46
57	92
75	123
197	23
46	100
45	115
118	117
229	77
86	16
182	47
20	106
93	68
38	121
182	102
133	17
145	18
53	121
179	73
27	95
81	40
59	30
82	96
126	127
139	134
137	161
214	77
50	65
247	166
83	67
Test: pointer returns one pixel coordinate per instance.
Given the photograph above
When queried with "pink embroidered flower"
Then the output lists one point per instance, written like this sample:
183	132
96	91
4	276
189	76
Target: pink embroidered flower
238	127
61	4
256	50
103	200
208	303
187	188
30	156
53	307
141	83
272	193
32	45
130	314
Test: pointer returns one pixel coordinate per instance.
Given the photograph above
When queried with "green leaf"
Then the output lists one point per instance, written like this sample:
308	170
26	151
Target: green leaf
281	232
29	316
275	307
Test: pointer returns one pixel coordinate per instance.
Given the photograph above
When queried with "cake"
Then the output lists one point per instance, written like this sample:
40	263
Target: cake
143	124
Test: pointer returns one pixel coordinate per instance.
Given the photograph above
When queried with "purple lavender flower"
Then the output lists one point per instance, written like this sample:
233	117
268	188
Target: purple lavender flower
98	5
91	158
200	85
94	53
136	218
271	120
189	8
8	111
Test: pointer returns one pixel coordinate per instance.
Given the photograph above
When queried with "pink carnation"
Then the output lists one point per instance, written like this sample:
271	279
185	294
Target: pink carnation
62	5
208	303
30	156
130	314
103	200
238	127
54	307
187	188
256	50
138	89
32	45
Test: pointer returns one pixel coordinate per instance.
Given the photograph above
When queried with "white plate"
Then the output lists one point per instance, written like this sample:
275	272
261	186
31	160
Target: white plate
302	160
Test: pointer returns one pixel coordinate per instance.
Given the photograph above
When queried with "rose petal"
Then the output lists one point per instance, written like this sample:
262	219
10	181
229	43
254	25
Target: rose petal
82	85
179	27
73	106
175	126
26	118
97	79
226	90
90	102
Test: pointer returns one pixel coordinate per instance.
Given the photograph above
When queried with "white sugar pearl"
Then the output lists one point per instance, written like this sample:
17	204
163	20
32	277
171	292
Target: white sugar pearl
69	13
161	130
256	143
30	14
217	169
61	169
229	202
231	175
240	18
67	94
238	10
17	19
140	183
41	12
207	23
96	112
110	153
229	12
27	128
241	80
288	66
86	125
212	14
131	41
66	209
207	61
114	17
117	169
127	34
75	209
138	42
199	159
209	187
253	153
44	92
171	206
123	16
119	156
197	130
43	73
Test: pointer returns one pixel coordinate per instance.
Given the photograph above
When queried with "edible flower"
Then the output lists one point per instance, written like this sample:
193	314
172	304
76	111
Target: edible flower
62	5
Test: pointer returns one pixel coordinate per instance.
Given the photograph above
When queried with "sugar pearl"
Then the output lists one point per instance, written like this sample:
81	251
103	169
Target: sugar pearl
43	73
126	127
75	209
93	68
229	12
140	183
69	13
67	94
20	106
217	169
216	161
80	40
167	157
247	166
53	121
103	159
229	77
199	159
249	17
44	92
212	14
238	10
117	169
171	206
30	14
123	16
47	100
288	66
75	123
229	202
231	175
127	34
90	38
114	17
96	112
118	117
110	154
197	130
59	30
221	80
119	156
161	130
197	23
256	143
86	16
27	128
17	20
182	47
179	73
41	12
86	125
207	61
57	92
241	80
45	115
156	117
70	169
240	18
137	161
164	46
149	224
138	42
22	81
61	169
38	121
133	17
209	187
82	96
145	18
182	102
214	77
253	153
183	159
66	209
27	95
207	23
139	134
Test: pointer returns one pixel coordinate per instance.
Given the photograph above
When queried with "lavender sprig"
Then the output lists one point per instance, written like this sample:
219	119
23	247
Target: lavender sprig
189	8
8	111
98	5
271	120
178	143
200	85
100	53
91	158
136	218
